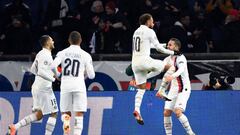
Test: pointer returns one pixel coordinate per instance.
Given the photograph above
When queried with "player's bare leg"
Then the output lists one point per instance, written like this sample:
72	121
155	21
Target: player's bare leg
12	129
66	122
138	101
184	121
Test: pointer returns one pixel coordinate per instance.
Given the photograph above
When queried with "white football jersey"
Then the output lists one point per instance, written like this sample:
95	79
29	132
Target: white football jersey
181	79
144	39
41	68
75	62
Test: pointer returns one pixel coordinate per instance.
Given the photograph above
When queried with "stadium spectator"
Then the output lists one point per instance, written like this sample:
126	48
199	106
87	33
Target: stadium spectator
74	22
216	12
231	34
99	39
117	29
181	31
53	21
207	23
15	29
200	30
94	21
130	9
168	14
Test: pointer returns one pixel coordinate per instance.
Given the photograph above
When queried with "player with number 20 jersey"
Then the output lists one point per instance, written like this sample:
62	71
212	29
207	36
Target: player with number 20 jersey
75	64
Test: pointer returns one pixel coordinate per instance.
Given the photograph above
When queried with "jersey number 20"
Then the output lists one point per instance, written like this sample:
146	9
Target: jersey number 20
72	66
136	44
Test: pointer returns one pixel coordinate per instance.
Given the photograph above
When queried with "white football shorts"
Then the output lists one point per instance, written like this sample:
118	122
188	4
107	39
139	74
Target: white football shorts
179	101
142	66
45	101
73	101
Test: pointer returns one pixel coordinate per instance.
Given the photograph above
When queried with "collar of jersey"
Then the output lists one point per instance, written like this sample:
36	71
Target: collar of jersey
46	50
75	46
144	26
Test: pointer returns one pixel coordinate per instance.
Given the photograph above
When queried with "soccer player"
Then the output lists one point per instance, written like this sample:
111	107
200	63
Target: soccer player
180	89
44	101
76	63
144	39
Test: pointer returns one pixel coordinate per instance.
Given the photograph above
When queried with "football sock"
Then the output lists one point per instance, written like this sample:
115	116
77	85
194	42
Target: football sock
184	121
78	126
168	125
138	99
26	120
50	125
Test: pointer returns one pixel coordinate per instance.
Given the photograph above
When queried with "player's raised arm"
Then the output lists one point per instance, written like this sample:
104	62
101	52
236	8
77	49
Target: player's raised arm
159	47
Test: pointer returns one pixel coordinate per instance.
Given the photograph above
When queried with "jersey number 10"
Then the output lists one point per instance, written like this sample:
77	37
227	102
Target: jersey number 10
136	44
72	66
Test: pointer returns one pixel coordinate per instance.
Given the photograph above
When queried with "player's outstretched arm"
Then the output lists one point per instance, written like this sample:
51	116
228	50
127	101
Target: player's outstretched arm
159	47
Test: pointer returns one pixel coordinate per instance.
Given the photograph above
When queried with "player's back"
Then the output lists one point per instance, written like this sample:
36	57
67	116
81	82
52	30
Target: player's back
142	42
73	62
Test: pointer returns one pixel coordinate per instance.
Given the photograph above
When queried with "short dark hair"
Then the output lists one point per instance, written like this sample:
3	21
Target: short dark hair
75	38
144	18
177	42
43	40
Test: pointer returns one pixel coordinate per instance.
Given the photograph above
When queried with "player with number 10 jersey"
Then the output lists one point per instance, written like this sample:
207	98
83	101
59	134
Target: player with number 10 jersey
144	38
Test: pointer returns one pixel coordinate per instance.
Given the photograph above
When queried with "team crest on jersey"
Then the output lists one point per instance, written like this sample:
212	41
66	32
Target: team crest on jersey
45	62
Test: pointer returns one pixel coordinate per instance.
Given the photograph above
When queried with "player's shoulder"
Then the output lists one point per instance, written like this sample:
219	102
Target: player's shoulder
40	53
181	57
85	54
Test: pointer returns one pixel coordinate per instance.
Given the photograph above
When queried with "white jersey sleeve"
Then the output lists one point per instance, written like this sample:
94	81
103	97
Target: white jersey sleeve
43	68
34	67
89	68
159	47
181	64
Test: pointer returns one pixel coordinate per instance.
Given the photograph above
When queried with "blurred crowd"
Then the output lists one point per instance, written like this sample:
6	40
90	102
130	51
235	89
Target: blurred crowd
107	25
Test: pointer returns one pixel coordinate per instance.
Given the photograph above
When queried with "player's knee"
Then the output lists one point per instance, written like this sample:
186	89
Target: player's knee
142	86
68	113
79	113
39	115
178	112
167	113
